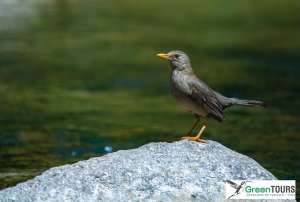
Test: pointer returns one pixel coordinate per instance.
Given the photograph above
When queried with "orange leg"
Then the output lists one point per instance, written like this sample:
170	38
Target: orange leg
197	138
195	124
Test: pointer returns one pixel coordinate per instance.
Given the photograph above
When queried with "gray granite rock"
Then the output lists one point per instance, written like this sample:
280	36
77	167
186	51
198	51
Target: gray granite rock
179	171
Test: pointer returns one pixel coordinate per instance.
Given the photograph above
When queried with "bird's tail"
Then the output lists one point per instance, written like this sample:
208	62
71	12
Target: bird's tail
253	103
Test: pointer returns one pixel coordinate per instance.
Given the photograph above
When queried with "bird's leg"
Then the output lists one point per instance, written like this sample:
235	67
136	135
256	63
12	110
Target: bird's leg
197	138
195	124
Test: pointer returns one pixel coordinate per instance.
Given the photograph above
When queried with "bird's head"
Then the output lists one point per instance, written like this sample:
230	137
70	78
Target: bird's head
178	60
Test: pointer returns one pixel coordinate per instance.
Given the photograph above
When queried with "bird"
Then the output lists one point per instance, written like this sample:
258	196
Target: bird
239	188
197	97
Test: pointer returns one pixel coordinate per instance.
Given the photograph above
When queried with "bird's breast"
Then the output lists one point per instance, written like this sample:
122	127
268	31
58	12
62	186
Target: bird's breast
181	91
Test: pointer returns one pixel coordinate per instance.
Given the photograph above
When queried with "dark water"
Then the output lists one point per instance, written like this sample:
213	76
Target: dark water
79	76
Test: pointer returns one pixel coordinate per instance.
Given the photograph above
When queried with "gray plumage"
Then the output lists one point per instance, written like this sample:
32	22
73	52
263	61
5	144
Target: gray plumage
194	95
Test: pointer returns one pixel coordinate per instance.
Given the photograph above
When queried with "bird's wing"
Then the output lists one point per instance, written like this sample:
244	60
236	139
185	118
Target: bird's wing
232	184
207	99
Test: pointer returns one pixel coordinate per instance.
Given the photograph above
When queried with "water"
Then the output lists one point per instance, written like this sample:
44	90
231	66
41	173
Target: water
81	79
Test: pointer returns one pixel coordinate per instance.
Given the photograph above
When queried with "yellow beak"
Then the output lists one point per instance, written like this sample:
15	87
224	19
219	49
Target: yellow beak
165	56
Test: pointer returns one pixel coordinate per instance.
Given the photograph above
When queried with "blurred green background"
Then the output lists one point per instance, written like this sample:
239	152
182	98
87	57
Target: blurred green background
79	76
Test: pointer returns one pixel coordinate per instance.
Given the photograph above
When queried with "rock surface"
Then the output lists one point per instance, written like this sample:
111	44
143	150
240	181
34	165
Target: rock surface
179	171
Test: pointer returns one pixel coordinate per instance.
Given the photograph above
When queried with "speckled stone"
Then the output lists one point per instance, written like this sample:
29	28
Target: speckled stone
179	171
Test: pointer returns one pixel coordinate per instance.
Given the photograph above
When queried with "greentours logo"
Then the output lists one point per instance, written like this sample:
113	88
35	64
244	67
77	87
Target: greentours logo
260	189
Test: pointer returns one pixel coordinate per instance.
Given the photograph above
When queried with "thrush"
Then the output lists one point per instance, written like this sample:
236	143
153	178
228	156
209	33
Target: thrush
197	97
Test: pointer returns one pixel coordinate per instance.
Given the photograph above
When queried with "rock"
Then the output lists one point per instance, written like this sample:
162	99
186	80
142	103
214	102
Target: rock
179	171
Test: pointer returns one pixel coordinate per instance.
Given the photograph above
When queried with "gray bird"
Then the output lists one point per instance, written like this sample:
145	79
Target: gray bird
239	188
197	97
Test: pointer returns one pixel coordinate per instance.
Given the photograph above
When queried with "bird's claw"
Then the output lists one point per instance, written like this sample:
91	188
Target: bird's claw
193	139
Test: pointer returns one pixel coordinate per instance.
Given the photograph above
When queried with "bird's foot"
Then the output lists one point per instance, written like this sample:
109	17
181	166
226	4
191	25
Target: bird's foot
193	139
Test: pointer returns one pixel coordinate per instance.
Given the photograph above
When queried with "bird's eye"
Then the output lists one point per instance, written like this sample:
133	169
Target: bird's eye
176	55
